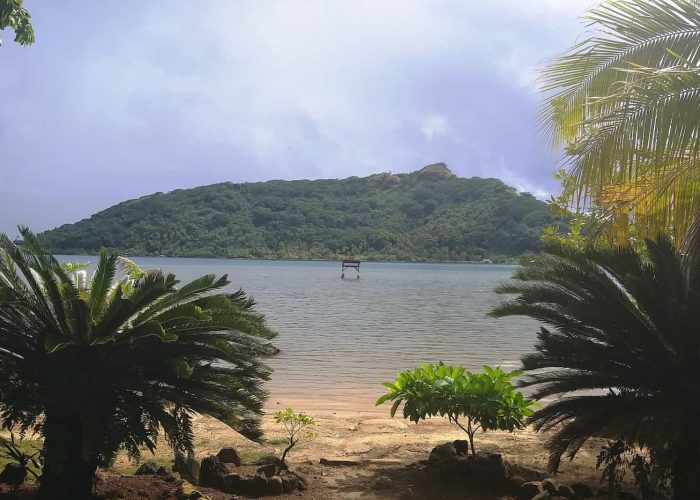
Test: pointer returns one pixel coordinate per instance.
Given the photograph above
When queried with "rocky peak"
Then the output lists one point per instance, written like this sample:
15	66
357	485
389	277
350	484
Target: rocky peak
434	172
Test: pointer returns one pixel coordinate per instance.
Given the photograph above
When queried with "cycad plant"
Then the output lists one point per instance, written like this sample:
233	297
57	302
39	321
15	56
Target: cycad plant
619	353
103	367
625	102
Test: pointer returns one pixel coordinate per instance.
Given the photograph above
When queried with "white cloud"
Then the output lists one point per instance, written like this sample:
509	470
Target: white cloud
516	177
520	68
434	126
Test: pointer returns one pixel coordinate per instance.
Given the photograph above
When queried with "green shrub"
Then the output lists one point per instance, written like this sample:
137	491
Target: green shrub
617	457
486	401
22	455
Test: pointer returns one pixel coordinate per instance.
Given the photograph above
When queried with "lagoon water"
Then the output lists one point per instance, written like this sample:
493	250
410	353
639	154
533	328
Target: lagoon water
340	338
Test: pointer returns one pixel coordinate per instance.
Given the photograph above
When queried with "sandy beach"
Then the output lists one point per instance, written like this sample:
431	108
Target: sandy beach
377	445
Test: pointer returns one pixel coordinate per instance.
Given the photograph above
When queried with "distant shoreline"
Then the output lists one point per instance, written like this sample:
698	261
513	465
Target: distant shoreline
509	262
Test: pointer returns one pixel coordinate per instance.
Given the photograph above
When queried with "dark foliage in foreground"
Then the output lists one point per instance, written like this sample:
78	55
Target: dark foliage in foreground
622	346
426	215
102	365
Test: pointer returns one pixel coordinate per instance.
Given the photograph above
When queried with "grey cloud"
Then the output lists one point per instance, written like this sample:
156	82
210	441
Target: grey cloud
118	100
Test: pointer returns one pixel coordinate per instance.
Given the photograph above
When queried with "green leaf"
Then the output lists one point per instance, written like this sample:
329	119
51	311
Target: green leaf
394	407
101	284
151	329
383	399
181	368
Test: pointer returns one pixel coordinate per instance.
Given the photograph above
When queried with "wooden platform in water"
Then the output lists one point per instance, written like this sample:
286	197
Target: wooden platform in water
350	264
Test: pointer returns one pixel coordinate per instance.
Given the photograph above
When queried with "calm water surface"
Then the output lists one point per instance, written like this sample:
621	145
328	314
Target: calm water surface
340	339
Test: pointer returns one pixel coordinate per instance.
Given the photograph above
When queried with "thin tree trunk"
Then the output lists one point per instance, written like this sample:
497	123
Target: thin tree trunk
65	474
468	429
283	464
470	433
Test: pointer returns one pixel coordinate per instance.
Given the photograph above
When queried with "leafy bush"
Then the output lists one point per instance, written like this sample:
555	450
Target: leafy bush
295	425
487	400
617	457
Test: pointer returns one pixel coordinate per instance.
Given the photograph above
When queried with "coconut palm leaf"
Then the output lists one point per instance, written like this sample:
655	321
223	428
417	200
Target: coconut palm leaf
650	33
626	103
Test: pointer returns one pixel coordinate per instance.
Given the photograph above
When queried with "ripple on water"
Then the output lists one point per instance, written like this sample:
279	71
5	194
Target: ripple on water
340	339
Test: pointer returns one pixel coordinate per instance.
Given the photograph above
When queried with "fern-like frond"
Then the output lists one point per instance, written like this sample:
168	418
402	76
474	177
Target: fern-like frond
617	354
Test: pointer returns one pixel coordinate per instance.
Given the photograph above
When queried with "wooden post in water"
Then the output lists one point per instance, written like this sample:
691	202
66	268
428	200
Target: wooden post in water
350	264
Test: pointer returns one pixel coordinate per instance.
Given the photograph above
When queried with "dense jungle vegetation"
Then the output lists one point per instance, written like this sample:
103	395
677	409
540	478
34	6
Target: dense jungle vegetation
430	214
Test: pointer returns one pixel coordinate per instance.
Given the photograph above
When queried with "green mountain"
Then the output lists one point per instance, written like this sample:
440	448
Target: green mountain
429	214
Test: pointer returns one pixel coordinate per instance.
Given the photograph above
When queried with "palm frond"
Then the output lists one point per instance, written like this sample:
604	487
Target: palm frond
128	356
101	283
625	102
618	348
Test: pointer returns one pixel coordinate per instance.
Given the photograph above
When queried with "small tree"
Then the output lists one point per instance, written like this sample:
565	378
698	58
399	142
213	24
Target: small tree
472	401
294	424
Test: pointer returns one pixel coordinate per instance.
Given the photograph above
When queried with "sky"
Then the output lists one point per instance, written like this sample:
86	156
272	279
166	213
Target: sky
122	98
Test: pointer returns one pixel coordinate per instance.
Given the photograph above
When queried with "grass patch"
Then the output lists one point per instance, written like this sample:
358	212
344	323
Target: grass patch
129	468
277	441
27	446
251	456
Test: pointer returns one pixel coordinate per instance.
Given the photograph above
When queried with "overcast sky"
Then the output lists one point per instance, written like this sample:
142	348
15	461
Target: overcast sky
122	98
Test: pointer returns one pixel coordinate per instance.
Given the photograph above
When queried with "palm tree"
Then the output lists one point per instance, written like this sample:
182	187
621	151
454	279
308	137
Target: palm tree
626	104
103	367
618	354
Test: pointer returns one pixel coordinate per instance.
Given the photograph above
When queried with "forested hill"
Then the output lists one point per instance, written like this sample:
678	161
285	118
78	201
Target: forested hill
429	214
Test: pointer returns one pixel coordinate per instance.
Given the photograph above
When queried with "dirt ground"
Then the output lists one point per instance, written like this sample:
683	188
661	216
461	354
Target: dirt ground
378	446
374	445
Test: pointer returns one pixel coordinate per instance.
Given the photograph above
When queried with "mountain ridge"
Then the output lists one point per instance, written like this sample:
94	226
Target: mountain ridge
428	214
